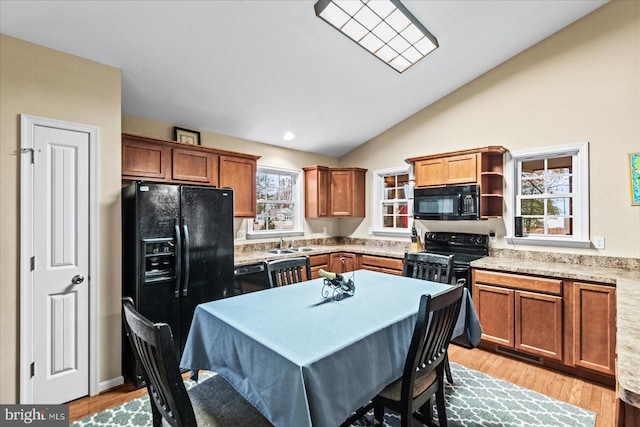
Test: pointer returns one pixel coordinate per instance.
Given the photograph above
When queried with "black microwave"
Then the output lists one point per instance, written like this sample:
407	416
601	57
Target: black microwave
447	203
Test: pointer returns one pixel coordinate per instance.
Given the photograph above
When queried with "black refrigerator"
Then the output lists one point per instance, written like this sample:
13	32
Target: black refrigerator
177	252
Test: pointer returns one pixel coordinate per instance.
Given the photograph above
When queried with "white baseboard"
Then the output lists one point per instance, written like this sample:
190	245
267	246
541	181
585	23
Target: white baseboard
113	382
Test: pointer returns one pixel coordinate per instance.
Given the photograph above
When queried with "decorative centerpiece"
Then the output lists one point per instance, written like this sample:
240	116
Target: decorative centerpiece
337	285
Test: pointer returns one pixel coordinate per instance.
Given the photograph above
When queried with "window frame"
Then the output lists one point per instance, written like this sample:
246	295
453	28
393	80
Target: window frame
580	193
298	203
377	222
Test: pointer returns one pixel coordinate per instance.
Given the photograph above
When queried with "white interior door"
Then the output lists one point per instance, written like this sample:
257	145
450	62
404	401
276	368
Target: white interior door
58	313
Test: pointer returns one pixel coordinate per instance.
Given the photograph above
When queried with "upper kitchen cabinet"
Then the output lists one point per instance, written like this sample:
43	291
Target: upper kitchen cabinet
337	192
151	159
239	173
481	166
316	191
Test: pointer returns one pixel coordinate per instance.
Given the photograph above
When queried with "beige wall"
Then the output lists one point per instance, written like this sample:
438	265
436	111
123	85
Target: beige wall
42	82
270	156
581	84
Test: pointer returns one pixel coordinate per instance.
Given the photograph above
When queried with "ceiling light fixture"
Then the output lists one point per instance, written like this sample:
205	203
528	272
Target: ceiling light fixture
288	136
384	27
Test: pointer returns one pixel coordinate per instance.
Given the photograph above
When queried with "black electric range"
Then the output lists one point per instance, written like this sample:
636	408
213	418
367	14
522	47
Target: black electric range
465	247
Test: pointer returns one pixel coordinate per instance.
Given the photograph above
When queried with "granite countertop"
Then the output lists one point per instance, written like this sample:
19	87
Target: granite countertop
627	283
590	273
243	257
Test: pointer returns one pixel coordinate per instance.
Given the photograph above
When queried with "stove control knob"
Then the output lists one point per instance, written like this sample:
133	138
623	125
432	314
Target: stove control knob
480	239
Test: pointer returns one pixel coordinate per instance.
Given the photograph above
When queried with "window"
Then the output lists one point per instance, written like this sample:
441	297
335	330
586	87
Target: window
392	201
278	202
551	194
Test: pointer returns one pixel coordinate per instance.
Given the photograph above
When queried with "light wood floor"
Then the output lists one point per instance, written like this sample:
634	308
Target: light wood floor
578	392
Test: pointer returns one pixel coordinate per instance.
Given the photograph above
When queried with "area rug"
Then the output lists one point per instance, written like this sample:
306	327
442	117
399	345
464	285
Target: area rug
475	400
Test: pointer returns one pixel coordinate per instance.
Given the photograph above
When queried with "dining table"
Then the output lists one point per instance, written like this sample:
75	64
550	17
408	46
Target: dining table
306	359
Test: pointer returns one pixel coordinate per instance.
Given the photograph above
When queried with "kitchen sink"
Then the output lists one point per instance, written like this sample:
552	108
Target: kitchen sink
288	250
280	251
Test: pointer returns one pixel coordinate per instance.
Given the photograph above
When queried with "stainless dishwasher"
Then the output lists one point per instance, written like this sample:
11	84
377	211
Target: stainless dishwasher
250	278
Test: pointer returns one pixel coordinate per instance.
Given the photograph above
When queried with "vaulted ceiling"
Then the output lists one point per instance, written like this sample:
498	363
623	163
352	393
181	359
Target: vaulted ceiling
256	69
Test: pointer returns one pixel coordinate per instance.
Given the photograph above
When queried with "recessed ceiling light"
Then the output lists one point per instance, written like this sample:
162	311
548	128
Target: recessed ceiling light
384	27
288	136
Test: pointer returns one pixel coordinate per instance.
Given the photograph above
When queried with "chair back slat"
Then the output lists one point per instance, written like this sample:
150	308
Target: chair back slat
287	271
427	266
152	344
437	317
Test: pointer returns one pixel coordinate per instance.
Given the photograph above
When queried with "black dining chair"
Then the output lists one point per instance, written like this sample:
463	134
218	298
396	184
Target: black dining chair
288	271
423	374
432	267
213	402
427	266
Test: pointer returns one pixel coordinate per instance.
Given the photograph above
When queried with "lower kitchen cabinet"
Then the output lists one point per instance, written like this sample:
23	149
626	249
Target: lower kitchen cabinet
318	262
495	308
538	322
342	262
516	314
568	323
381	264
594	327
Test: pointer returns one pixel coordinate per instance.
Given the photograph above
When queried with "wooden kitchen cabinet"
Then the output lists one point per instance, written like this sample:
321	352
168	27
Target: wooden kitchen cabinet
570	324
495	308
594	327
151	159
334	192
318	262
342	262
381	264
522	313
145	160
316	191
347	192
446	170
481	166
240	174
194	166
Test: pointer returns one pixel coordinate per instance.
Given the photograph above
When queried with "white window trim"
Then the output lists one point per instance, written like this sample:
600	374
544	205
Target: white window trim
378	188
580	152
299	207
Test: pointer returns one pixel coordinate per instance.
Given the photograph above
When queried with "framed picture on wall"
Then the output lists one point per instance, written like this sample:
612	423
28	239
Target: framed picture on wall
186	135
634	177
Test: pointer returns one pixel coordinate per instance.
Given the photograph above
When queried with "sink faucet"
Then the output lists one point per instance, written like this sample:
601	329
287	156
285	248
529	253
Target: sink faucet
280	242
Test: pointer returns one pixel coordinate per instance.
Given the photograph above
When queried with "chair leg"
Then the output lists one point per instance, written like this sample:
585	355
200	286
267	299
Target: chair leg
442	415
155	414
447	369
425	415
378	415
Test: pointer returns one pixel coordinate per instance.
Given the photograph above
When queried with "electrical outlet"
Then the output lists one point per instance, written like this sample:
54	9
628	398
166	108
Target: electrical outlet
242	235
324	230
598	242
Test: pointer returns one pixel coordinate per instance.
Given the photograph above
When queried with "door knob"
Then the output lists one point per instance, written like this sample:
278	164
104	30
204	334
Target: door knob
77	279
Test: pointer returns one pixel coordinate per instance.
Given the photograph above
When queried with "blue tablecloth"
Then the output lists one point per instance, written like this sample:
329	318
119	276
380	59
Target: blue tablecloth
304	360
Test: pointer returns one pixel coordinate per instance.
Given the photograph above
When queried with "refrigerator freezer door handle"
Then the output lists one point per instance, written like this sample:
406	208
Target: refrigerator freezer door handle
178	259
186	259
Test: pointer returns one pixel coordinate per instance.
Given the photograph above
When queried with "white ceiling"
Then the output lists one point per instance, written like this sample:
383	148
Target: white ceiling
255	69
